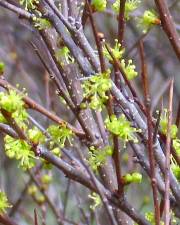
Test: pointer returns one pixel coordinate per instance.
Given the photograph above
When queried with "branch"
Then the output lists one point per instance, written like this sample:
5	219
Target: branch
168	26
168	156
35	106
150	134
121	22
5	220
21	12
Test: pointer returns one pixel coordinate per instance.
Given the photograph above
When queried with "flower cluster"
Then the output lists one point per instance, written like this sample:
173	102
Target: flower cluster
13	103
175	140
20	150
148	20
29	4
41	23
164	125
99	5
117	51
132	178
59	135
130	6
97	157
36	136
122	128
95	89
4	204
129	69
151	218
63	56
96	200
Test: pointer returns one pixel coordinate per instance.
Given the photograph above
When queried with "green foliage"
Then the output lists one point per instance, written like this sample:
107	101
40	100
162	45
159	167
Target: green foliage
42	23
117	51
97	157
2	67
60	134
4	204
36	136
96	200
148	20
130	6
63	56
95	89
122	128
99	5
164	125
13	103
29	4
20	150
132	178
129	69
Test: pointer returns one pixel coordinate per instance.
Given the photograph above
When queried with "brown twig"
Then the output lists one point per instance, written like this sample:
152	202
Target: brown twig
168	154
17	10
121	22
35	106
35	217
5	220
178	116
168	25
150	134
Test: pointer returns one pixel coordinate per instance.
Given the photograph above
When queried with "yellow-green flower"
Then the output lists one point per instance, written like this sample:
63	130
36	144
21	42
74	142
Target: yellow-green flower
4	204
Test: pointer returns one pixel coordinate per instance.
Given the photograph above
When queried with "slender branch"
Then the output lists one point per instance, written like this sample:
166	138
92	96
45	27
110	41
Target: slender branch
168	156
35	106
121	22
168	25
178	116
21	12
5	220
150	134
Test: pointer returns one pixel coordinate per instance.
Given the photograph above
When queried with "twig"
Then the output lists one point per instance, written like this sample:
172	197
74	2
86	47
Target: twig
168	25
150	134
35	106
66	197
168	155
19	11
35	217
121	22
178	116
5	220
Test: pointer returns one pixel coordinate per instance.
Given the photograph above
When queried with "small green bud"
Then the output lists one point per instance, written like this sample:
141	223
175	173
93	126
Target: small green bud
136	177
2	68
32	190
40	199
83	105
127	178
46	179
